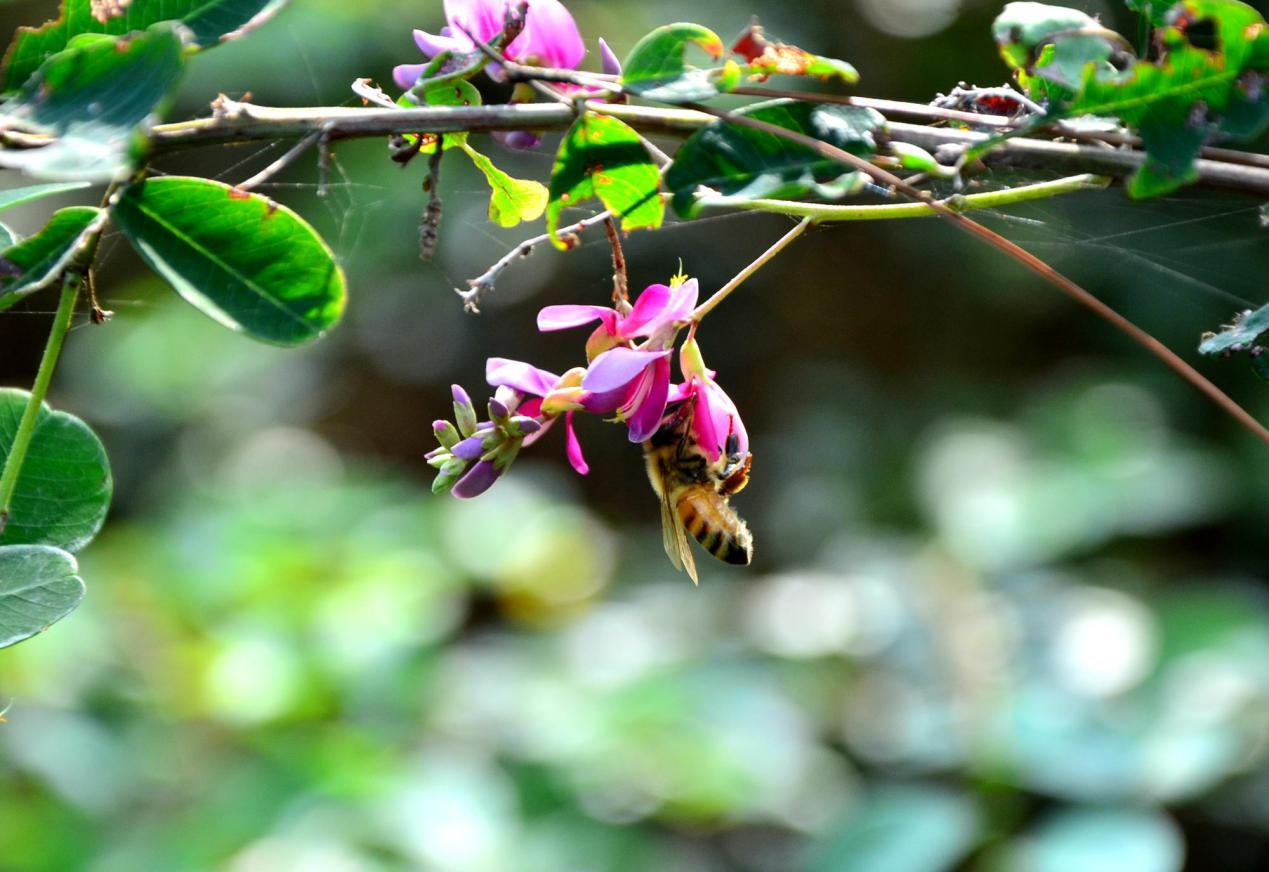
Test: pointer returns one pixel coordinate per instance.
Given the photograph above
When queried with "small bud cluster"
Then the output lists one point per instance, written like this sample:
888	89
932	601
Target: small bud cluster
473	453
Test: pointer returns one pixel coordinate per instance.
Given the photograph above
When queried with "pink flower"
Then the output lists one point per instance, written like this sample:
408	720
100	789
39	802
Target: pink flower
633	382
550	37
556	393
716	423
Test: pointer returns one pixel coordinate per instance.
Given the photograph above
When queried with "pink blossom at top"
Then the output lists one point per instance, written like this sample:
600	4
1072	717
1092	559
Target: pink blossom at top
538	384
550	36
633	382
714	418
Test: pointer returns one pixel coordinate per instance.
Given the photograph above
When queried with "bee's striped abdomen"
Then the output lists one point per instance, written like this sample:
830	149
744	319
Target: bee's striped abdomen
713	523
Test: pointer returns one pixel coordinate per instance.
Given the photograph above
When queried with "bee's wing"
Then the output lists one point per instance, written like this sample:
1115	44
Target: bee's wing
674	537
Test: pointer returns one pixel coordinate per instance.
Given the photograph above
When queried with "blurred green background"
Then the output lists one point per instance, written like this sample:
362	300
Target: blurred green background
1008	609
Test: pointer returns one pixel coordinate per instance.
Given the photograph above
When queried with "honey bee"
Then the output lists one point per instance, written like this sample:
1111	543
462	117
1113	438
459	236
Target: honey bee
694	493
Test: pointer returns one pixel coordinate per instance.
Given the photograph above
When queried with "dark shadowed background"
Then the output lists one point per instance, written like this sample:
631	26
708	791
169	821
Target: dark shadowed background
1008	607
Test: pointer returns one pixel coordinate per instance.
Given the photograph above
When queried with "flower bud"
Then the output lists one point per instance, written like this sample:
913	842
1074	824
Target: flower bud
473	447
440	460
691	362
449	475
522	425
446	433
498	411
509	397
464	411
477	480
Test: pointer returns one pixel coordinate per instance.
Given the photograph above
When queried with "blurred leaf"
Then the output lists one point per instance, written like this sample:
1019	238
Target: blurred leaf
7	238
210	21
93	99
1177	103
902	829
743	164
242	259
1100	840
656	68
512	200
1238	336
603	157
64	489
38	587
38	260
1051	44
1154	11
18	196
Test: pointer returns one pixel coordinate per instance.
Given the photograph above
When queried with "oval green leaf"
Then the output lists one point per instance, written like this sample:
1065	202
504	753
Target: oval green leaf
38	587
209	21
242	259
741	163
36	261
93	99
603	157
657	68
64	488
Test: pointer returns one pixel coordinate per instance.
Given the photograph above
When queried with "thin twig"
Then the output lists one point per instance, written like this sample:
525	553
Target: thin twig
430	222
281	163
484	283
1024	257
721	294
620	279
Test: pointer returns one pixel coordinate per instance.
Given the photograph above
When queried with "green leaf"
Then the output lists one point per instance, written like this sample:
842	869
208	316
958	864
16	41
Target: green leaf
657	69
94	99
1099	840
1051	44
744	164
64	488
18	196
603	157
458	92
38	587
209	21
242	259
7	238
39	260
512	200
1240	335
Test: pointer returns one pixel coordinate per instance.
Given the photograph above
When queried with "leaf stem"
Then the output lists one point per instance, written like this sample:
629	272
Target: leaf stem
26	428
891	211
708	306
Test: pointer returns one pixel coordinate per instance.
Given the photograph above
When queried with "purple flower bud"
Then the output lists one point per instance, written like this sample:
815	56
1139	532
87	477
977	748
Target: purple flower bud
441	460
446	433
464	412
471	448
477	480
498	410
518	140
608	60
526	426
435	453
449	475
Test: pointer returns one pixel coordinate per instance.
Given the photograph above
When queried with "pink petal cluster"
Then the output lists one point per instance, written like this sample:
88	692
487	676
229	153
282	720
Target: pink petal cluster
550	36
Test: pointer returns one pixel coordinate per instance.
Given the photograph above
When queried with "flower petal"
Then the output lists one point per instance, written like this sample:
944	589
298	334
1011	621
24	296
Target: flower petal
646	418
683	301
521	376
618	367
432	44
517	140
483	19
405	75
564	317
608	401
608	61
573	448
649	306
550	36
477	480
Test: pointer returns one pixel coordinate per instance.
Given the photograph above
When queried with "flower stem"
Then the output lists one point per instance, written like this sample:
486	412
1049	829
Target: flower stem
708	306
26	428
988	200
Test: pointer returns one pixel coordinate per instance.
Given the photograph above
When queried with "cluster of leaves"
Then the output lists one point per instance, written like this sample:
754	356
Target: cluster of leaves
1187	96
82	95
